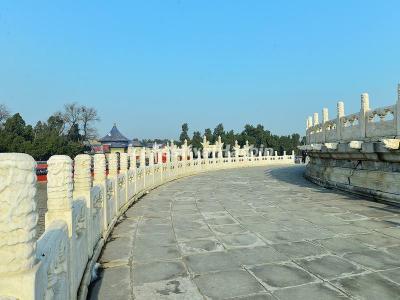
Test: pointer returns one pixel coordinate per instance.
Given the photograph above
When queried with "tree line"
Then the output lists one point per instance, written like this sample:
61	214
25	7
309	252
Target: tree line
257	136
66	132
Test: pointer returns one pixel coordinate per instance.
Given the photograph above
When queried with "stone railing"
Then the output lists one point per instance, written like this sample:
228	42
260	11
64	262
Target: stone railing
82	210
359	153
366	125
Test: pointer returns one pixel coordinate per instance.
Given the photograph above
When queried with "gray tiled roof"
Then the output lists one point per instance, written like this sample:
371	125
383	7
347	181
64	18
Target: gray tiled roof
114	136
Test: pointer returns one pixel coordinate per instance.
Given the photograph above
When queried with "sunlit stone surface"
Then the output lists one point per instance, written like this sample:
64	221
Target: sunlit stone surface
255	233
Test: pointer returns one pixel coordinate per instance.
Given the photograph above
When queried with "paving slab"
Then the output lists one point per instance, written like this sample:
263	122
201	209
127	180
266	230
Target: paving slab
369	286
375	260
282	275
114	283
329	266
211	262
228	284
314	291
157	271
300	249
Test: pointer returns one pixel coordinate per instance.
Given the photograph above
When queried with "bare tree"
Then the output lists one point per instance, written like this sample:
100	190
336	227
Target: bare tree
72	114
88	116
4	113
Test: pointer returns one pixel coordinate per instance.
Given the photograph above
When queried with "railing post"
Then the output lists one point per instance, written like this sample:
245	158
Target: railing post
325	119
132	168
124	172
315	119
199	159
340	115
113	177
160	164
151	166
100	179
82	189
18	223
309	125
363	112
59	190
60	206
142	164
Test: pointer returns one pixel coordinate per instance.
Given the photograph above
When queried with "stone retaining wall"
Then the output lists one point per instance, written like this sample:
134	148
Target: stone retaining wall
358	153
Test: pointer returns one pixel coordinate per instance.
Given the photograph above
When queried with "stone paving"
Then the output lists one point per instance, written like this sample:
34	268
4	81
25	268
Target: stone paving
256	233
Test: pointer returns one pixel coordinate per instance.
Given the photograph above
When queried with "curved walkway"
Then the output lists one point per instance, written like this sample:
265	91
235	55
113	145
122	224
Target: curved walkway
252	233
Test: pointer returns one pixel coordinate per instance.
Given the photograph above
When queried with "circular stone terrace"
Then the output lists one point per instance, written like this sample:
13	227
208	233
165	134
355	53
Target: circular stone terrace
253	233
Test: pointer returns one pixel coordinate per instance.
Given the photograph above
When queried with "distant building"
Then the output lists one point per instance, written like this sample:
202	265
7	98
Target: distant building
136	143
115	141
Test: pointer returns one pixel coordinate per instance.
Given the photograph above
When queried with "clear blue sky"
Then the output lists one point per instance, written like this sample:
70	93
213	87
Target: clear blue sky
152	65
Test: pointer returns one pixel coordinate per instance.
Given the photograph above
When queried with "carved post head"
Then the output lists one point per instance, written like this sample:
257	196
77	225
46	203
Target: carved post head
82	172
364	102
159	157
315	119
99	168
151	158
18	212
205	153
123	162
143	157
229	154
59	183
191	155
113	164
168	156
199	154
132	157
340	109
325	116
310	123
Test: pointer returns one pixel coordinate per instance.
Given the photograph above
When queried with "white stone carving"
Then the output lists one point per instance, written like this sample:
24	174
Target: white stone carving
18	215
99	168
59	183
113	164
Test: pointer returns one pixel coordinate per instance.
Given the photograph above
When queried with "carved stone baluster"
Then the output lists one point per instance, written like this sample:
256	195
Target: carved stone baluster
113	164
339	123
100	179
325	118
60	207
113	178
82	190
59	190
363	113
132	168
99	169
124	172
18	221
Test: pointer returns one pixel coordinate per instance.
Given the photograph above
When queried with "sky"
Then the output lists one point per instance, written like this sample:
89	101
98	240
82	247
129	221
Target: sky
150	66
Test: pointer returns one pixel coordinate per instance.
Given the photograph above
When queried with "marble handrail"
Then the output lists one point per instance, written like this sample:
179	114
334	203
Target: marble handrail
82	210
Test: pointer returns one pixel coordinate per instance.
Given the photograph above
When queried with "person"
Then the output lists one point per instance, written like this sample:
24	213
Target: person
304	155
